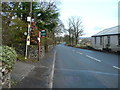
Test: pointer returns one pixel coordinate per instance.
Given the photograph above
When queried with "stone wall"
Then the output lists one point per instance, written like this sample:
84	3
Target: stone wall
33	52
50	47
20	49
0	75
5	81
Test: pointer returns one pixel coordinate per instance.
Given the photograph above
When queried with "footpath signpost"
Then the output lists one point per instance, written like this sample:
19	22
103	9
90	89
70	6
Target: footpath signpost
28	40
41	34
39	45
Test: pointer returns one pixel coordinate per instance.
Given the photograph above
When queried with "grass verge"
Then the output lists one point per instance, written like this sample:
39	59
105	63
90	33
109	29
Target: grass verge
22	58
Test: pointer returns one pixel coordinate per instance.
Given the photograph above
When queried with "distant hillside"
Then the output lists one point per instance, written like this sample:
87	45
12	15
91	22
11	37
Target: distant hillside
85	38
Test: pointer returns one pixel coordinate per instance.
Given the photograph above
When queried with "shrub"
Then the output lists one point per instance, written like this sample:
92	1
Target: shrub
89	47
8	56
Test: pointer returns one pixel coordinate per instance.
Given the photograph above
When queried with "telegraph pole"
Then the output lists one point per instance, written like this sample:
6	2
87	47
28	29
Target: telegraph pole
29	29
30	12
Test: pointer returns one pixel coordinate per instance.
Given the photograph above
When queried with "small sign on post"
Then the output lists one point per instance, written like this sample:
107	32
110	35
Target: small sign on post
38	45
28	40
43	33
38	39
25	33
28	19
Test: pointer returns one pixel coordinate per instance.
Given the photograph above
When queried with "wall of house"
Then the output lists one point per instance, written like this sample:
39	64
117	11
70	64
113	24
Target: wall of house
93	42
96	45
105	41
113	43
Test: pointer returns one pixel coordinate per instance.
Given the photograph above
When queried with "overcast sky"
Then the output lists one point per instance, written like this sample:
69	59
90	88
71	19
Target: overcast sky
96	14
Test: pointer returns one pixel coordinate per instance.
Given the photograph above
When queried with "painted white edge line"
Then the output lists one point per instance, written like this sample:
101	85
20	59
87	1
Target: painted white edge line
116	67
93	58
79	52
52	73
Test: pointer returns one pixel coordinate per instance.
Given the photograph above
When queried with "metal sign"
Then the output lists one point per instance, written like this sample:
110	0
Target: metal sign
28	19
25	33
38	39
43	33
28	40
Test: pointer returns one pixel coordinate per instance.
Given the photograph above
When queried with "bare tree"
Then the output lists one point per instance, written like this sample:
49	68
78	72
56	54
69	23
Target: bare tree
75	28
70	32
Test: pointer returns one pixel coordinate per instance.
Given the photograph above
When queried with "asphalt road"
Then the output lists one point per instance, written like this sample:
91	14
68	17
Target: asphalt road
80	68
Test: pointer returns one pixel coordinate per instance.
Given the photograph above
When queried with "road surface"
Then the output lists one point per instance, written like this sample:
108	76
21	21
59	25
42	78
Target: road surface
80	68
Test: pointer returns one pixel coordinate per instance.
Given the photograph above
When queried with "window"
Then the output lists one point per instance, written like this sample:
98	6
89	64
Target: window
101	40
95	40
118	39
108	40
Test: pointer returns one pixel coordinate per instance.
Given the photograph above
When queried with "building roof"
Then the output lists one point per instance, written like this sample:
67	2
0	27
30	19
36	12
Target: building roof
109	31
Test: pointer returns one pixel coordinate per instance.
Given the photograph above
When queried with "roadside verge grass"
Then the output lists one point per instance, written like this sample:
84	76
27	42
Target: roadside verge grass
22	58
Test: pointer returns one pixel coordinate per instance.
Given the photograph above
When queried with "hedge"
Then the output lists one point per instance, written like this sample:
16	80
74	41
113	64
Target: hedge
8	56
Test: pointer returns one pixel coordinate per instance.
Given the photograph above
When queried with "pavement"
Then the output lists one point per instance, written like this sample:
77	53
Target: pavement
80	68
33	74
21	70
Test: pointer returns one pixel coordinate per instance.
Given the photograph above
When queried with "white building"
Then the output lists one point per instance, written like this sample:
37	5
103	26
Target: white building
107	39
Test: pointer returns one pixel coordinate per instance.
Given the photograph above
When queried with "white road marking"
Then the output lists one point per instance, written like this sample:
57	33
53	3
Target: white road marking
116	67
90	71
43	67
93	58
79	52
52	73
